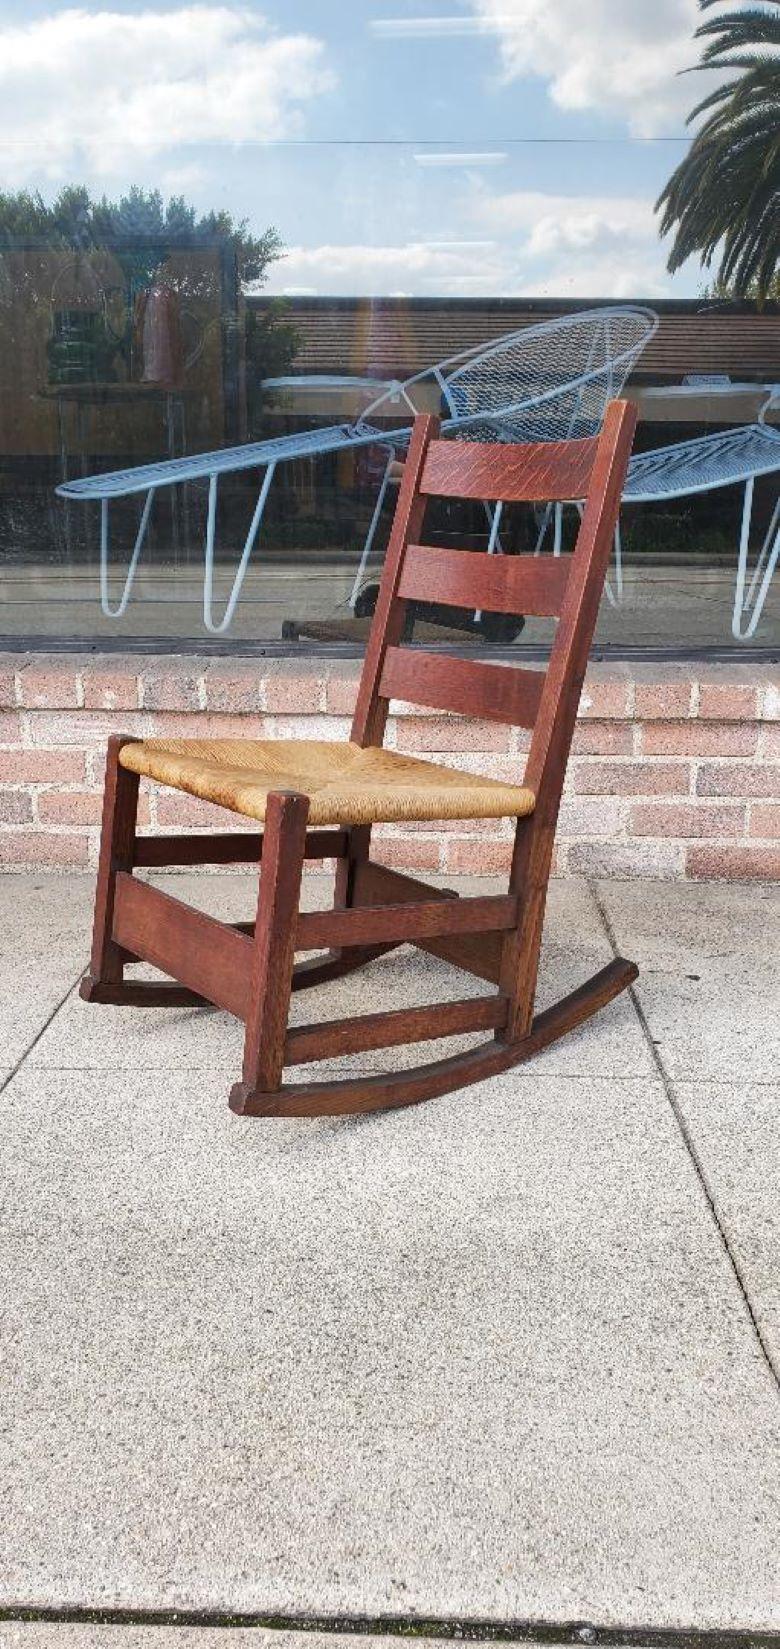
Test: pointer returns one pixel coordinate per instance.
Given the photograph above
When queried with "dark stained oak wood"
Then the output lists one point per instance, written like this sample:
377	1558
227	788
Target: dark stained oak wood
390	1092
475	953
201	953
379	885
549	471
347	867
552	736
498	692
273	945
117	846
528	584
249	969
386	1030
404	923
143	993
234	847
319	970
370	718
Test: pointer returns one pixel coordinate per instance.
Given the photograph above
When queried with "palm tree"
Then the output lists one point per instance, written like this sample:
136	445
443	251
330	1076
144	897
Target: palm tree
724	197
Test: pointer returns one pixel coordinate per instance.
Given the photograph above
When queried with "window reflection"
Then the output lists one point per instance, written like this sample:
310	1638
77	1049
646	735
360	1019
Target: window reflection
142	330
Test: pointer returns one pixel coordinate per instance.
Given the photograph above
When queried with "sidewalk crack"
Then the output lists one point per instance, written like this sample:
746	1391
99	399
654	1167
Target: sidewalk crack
553	1634
690	1146
8	1078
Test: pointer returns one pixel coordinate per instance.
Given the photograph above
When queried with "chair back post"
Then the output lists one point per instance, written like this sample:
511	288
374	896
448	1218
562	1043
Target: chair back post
552	736
371	711
569	653
370	718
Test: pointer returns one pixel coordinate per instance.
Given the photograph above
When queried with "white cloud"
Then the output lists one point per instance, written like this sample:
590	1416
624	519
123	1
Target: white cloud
420	267
578	245
557	223
598	276
615	56
542	245
104	85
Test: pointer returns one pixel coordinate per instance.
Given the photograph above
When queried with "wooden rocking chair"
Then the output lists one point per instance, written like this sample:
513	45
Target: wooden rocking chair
343	789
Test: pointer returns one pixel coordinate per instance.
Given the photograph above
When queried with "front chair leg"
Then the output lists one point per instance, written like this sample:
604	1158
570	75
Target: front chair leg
117	841
284	845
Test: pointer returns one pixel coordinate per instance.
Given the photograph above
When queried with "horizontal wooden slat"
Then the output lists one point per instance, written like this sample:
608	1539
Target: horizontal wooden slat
373	925
545	472
227	848
476	953
388	1030
441	1076
499	692
495	583
198	952
378	885
142	993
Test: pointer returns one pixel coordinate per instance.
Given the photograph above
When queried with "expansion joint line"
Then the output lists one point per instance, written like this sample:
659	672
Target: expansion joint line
36	1039
531	1632
690	1146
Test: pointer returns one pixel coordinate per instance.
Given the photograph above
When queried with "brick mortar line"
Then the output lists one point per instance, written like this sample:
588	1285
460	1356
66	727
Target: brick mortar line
688	849
192	668
690	1146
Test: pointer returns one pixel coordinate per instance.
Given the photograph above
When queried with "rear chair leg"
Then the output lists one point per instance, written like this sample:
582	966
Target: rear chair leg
284	844
358	846
117	842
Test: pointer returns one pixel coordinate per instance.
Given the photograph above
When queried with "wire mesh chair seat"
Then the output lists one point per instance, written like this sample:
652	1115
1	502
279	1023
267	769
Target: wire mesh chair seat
701	465
223	461
548	382
210	466
540	383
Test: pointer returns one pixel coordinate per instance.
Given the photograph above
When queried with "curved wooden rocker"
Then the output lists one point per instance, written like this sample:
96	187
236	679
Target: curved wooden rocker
318	801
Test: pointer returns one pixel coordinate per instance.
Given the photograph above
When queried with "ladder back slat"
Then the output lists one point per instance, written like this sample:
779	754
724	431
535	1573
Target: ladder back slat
548	471
524	584
498	692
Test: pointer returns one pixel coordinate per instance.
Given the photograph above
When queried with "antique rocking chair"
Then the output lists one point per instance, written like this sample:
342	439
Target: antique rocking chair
341	790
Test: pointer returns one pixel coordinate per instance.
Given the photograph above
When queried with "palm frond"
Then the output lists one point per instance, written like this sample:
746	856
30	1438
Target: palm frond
723	201
737	31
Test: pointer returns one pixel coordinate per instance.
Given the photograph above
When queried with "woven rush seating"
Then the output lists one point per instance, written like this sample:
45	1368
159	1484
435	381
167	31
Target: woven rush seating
346	784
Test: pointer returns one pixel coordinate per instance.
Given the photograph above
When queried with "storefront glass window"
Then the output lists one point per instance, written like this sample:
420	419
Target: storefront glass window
241	232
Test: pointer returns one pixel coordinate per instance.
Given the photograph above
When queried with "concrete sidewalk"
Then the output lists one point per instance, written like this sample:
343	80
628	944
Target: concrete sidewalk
513	1355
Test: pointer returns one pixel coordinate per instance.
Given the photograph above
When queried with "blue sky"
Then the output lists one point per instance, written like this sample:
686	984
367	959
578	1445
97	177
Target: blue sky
441	147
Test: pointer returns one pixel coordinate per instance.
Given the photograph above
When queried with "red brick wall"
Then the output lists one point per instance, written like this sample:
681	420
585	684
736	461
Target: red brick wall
675	770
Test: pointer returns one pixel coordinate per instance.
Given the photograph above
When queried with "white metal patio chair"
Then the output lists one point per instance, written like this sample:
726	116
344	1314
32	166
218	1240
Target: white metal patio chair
702	465
546	382
550	382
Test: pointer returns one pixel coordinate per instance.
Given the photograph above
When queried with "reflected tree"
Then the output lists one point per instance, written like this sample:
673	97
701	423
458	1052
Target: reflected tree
723	201
137	238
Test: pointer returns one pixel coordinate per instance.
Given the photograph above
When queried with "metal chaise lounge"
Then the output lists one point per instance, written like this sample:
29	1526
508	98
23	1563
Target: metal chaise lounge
543	382
702	465
315	801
